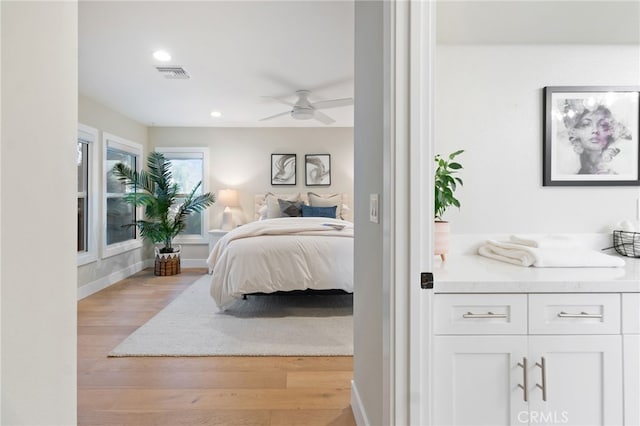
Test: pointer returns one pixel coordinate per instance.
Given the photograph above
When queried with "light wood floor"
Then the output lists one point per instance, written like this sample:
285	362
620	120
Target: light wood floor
194	390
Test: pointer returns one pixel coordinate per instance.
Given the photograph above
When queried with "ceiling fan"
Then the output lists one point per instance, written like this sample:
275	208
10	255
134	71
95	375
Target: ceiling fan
303	109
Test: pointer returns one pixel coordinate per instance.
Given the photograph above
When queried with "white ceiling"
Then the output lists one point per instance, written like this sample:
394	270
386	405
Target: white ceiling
239	51
235	52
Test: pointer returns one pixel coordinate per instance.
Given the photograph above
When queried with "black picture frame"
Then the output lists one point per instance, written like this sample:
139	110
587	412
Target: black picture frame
317	169
283	169
591	136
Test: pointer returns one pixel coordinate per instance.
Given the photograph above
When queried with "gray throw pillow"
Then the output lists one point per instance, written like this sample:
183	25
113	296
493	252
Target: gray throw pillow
290	208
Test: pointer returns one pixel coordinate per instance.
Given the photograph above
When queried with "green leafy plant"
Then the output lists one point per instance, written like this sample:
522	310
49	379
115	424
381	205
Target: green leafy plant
446	183
155	190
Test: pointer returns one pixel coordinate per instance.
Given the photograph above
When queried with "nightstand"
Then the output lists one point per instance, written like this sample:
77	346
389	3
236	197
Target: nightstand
214	237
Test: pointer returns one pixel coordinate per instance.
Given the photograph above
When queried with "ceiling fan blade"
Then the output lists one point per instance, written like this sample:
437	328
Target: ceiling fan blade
274	116
322	117
334	103
282	101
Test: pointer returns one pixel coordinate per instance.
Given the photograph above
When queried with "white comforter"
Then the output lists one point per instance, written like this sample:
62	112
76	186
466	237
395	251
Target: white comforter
281	255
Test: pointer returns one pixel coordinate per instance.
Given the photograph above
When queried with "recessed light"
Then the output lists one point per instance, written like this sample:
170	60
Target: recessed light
216	114
161	55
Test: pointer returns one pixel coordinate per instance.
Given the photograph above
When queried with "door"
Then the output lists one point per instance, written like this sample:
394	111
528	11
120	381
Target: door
478	380
575	380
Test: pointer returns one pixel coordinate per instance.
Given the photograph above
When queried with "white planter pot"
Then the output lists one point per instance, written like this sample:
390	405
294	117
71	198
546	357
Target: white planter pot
441	239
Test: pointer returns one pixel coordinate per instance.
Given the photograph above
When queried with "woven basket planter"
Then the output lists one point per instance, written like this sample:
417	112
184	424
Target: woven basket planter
167	263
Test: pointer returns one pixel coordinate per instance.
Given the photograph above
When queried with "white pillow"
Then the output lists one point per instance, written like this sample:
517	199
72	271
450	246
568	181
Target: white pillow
273	207
316	200
262	213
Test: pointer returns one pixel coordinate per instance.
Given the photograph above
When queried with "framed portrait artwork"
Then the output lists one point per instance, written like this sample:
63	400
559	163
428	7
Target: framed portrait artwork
317	169
283	169
591	136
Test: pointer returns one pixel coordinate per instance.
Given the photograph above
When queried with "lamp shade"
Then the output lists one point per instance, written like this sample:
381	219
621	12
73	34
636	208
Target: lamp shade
228	197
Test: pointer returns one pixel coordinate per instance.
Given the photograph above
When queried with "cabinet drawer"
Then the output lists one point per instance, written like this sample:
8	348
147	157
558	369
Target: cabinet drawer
631	313
574	313
480	314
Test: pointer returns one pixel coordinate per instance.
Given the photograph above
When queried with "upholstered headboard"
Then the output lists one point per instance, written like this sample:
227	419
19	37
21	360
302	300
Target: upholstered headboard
260	200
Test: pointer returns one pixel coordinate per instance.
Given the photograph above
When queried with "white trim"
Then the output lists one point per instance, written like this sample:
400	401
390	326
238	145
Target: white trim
111	279
122	144
359	414
388	205
1	275
120	248
199	153
400	184
91	135
185	152
418	349
104	282
112	141
193	263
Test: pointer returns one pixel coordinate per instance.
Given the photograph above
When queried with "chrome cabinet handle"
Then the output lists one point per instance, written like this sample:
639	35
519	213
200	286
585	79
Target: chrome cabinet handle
583	314
487	315
525	385
543	370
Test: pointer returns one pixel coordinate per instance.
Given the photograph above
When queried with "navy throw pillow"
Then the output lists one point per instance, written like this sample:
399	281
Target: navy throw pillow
308	211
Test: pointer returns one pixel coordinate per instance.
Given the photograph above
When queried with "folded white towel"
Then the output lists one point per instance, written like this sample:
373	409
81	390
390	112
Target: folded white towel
546	241
518	254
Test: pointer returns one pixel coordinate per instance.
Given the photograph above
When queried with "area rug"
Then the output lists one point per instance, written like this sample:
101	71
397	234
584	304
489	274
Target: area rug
287	325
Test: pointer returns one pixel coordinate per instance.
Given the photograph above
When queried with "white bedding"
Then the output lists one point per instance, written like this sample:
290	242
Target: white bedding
282	254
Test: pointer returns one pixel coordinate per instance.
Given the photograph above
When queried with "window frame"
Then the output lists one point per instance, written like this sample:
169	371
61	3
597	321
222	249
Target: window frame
193	152
133	148
91	136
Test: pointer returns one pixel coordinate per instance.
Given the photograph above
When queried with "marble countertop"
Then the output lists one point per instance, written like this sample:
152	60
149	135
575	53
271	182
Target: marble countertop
470	273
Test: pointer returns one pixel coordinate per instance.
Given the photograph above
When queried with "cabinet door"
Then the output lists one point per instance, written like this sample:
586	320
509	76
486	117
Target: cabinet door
631	345
476	380
582	379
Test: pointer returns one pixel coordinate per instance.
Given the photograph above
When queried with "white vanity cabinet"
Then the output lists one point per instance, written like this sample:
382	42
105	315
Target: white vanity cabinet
631	357
516	359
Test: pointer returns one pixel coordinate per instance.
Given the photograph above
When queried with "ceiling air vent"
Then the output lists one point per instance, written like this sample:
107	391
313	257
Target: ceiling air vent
174	73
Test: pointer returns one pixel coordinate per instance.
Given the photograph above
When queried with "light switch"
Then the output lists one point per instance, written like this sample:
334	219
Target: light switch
373	208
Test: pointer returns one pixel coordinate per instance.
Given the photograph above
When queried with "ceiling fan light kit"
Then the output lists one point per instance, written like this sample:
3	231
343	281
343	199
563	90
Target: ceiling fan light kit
302	113
303	109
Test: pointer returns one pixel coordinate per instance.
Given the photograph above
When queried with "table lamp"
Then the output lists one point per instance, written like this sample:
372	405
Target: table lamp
227	198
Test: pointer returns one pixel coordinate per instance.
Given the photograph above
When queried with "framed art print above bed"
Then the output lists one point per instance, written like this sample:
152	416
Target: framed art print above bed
591	136
283	169
317	168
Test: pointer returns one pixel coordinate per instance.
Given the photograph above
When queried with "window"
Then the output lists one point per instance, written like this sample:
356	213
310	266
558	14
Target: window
87	194
118	215
188	167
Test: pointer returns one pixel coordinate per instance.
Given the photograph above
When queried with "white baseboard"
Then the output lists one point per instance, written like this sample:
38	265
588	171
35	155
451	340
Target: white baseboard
104	282
359	414
193	263
114	277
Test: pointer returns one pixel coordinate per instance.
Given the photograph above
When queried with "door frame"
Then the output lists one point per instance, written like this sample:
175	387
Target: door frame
408	240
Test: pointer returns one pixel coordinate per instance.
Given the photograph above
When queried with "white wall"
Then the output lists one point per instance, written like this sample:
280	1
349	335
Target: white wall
38	228
240	158
106	271
370	297
489	102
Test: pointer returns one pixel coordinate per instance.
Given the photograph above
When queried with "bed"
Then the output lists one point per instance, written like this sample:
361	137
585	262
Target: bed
278	254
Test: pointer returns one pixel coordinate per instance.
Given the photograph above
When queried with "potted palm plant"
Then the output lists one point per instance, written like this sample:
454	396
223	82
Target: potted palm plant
445	185
164	218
